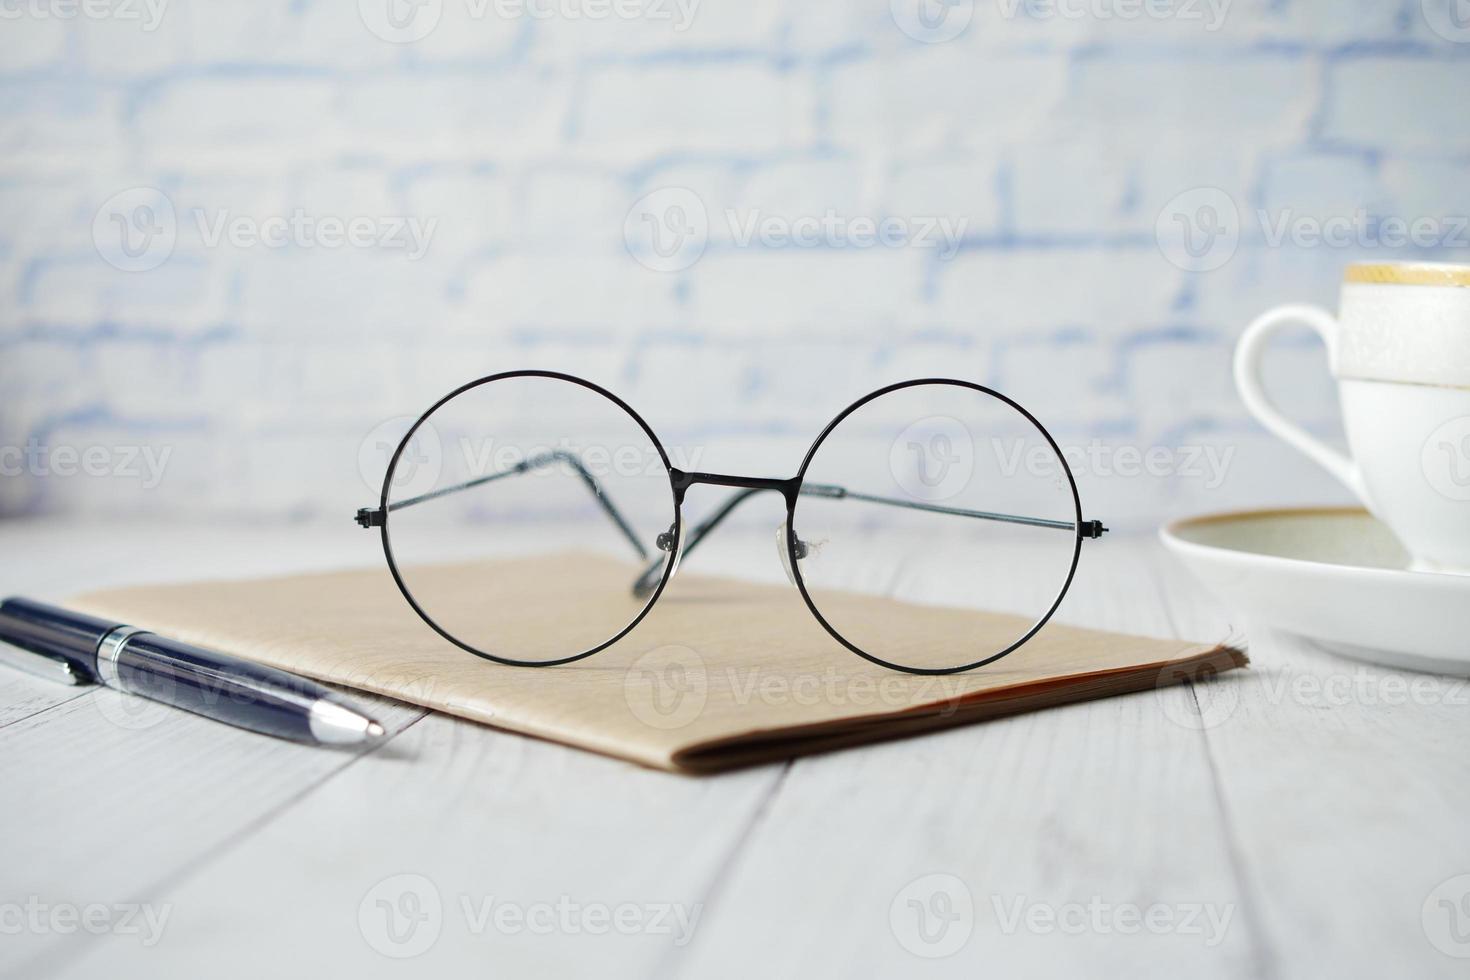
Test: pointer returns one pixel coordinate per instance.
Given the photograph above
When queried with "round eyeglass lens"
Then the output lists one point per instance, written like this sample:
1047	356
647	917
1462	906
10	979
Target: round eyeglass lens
521	512
945	496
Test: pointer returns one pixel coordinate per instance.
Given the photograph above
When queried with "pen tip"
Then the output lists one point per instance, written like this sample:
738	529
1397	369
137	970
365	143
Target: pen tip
333	723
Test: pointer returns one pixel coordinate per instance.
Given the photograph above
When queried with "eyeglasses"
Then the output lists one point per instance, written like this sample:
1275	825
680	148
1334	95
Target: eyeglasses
936	486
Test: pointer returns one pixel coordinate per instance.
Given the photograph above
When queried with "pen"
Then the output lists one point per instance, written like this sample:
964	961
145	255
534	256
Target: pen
73	648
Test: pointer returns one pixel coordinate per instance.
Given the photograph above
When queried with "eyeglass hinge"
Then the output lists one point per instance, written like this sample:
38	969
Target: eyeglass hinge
369	518
1093	529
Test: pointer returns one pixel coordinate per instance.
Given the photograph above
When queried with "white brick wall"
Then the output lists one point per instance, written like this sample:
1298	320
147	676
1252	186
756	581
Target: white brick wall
1053	136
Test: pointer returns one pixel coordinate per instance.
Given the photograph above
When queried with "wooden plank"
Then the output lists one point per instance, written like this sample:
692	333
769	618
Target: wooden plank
105	793
463	851
1342	821
1347	787
139	802
1086	840
108	795
22	696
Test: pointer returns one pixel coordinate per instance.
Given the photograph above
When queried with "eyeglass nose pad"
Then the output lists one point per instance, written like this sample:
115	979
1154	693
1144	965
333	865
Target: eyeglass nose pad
782	532
678	554
666	542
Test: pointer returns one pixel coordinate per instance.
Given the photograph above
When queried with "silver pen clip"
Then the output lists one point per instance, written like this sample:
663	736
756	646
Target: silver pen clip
50	666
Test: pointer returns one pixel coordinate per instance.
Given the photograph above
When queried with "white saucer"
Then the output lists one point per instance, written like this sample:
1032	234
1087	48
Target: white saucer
1336	576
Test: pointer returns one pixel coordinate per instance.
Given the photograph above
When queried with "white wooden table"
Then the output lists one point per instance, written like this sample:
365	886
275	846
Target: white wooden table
1308	818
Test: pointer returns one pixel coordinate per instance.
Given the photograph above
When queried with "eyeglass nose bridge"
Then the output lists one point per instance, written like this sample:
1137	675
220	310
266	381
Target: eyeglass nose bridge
682	481
677	542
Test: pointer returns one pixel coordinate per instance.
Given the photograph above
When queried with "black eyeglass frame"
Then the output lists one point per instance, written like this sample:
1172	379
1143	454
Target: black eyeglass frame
680	481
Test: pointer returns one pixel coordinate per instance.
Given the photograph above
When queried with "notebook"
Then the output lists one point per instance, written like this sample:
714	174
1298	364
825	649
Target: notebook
721	673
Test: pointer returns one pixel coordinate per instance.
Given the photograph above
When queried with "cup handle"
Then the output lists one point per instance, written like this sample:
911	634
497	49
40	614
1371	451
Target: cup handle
1248	353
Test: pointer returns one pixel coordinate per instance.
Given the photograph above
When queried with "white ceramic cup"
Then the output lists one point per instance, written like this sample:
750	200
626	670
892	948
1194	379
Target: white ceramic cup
1400	351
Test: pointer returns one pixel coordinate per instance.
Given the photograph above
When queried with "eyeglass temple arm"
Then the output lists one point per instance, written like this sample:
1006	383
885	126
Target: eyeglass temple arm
646	581
1090	529
374	518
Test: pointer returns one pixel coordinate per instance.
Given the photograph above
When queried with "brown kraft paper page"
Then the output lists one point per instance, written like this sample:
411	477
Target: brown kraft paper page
721	673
